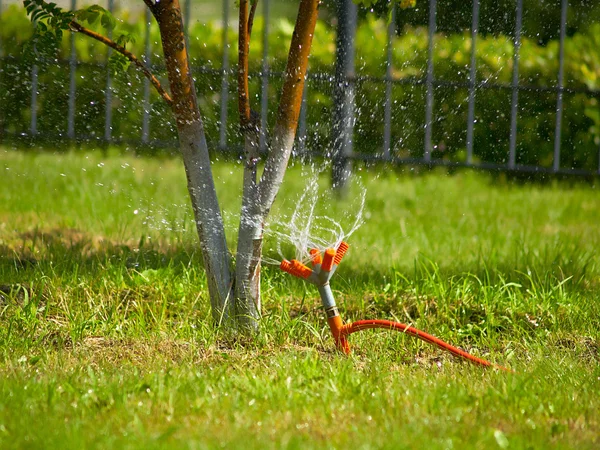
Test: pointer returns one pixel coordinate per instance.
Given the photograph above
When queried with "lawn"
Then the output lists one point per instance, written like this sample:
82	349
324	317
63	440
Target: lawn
106	339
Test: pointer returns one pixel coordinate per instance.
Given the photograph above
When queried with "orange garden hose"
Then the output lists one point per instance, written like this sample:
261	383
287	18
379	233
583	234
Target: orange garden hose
346	330
320	274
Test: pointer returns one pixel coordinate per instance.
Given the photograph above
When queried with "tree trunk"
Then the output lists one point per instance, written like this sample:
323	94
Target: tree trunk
194	149
259	197
249	248
250	236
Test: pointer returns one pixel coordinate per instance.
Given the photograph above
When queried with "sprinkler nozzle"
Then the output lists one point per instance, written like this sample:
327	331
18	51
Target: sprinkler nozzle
340	252
327	264
286	266
300	270
315	256
295	268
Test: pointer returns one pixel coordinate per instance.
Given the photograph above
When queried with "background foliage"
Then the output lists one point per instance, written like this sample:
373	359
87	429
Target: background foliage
537	111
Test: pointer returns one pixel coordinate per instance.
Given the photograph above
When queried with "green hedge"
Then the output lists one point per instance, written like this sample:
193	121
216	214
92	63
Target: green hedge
537	111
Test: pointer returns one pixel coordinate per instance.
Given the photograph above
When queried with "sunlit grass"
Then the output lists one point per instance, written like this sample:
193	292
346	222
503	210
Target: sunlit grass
106	341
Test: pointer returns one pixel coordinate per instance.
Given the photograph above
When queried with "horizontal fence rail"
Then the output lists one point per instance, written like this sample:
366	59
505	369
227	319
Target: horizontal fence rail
345	84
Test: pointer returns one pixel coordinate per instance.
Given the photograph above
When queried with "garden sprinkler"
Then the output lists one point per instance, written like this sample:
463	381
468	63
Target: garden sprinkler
323	268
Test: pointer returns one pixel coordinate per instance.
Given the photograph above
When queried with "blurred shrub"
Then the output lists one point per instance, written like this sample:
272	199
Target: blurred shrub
537	110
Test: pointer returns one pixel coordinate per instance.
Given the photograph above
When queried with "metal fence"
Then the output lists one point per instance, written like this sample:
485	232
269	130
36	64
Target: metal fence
344	152
344	85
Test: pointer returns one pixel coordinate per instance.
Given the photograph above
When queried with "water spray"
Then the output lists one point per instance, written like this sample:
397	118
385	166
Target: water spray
323	268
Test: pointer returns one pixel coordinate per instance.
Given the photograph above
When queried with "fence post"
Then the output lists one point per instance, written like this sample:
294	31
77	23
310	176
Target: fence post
343	93
186	20
472	82
1	47
387	112
147	60
108	92
429	82
264	80
224	79
72	82
34	101
512	152
1	63
559	97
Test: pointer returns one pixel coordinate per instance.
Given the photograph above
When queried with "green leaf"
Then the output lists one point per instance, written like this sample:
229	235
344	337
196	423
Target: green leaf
91	14
87	16
125	38
118	63
108	21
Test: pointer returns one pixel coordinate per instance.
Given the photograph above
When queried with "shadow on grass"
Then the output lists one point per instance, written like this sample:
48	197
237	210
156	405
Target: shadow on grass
64	250
67	249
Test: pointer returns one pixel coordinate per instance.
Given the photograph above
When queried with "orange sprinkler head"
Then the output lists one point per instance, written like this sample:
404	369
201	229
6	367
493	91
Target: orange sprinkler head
295	268
300	270
341	251
328	260
315	256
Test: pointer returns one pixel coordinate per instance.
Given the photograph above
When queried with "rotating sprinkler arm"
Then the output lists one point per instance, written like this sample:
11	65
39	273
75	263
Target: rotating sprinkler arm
322	270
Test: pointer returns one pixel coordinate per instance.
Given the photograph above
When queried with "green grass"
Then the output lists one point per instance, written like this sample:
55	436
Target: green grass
106	341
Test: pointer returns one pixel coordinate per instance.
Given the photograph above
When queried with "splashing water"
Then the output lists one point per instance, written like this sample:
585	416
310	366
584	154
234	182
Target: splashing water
305	229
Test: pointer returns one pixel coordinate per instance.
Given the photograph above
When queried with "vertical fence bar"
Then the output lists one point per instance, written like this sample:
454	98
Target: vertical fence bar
1	63
72	81
559	96
301	142
34	94
512	153
429	82
108	91
186	18
1	44
343	92
224	78
264	80
147	61
472	82
33	99
387	120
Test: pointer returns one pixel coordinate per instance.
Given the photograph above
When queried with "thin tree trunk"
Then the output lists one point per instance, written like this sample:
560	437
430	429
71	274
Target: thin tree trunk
250	236
249	248
194	149
209	222
258	198
289	104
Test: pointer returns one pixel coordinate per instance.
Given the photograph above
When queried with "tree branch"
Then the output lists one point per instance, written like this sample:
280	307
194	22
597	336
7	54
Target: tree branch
76	27
243	49
289	104
251	17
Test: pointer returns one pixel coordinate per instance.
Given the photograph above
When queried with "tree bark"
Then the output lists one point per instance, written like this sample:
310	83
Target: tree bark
194	149
289	104
259	197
